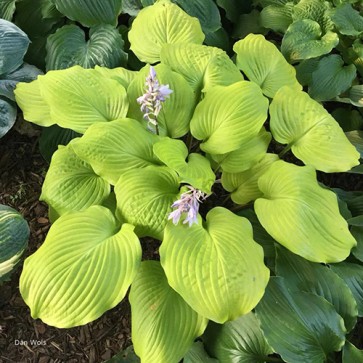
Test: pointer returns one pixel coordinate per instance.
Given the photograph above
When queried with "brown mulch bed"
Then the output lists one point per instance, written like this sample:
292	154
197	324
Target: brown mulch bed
22	171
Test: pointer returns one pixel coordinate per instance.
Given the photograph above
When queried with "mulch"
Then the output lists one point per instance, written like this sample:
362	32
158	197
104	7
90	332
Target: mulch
22	171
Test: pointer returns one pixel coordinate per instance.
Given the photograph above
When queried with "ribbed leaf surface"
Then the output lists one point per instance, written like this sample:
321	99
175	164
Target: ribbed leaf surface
164	326
313	134
301	215
159	24
83	269
216	266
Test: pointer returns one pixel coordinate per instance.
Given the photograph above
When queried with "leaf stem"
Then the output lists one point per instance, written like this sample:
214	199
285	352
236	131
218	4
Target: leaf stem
226	199
239	207
285	150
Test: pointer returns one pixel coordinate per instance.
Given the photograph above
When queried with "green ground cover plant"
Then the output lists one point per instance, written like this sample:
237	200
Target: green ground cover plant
217	158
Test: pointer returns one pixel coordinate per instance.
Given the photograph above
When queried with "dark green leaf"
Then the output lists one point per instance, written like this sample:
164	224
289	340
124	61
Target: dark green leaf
240	340
52	137
306	276
299	326
197	354
68	47
351	354
352	274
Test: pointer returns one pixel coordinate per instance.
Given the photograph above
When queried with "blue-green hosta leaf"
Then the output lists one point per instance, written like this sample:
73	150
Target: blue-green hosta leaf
131	7
115	147
7	115
313	134
352	274
229	116
197	354
246	156
219	270
355	95
7	9
14	232
83	269
25	73
263	64
219	38
30	99
240	340
233	8
71	184
163	325
159	24
203	67
7	89
356	138
277	17
302	275
357	251
206	11
243	186
299	326
304	39
196	172
352	354
13	46
315	10
144	198
68	47
301	215
331	78
80	97
349	120
121	75
347	20
90	12
177	109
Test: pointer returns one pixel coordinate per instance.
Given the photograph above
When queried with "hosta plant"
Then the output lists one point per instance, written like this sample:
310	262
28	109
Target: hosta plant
13	46
14	234
161	152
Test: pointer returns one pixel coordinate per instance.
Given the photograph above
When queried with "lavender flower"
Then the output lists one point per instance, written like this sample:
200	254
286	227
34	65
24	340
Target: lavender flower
151	100
188	202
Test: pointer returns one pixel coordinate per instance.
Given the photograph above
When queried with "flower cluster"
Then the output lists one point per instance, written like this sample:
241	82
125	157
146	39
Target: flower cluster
151	100
189	203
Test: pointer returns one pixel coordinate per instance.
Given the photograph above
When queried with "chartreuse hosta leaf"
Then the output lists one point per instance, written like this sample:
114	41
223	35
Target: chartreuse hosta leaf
197	354
229	116
177	110
196	172
246	156
114	147
71	184
164	326
200	65
348	20
121	75
301	215
80	97
331	78
144	198
216	266
352	274
68	47
30	99
304	39
300	326
302	275
159	24
240	340
263	64
243	186
313	134
90	12
352	354
83	269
